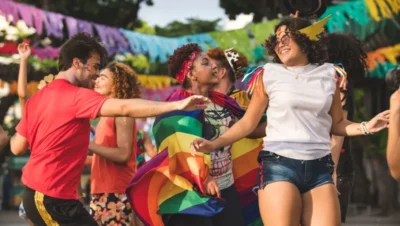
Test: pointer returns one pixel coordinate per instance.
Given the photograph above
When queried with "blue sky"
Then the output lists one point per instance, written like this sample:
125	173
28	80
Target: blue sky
165	11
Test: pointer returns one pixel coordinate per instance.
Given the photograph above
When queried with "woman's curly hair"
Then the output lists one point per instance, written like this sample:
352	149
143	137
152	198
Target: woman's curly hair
240	65
315	50
176	60
347	50
126	82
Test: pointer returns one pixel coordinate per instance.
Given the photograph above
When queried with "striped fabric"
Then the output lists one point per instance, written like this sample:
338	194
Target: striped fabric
172	182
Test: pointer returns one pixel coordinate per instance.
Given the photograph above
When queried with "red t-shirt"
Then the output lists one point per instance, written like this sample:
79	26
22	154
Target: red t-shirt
108	176
56	124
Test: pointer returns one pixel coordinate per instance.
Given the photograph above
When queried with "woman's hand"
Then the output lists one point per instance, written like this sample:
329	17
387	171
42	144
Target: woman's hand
211	187
201	145
24	51
379	122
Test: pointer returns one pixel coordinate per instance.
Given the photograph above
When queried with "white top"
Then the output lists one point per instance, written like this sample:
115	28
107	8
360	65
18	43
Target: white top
298	117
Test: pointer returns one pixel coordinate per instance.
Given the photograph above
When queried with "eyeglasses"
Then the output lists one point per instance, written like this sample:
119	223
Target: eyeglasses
285	39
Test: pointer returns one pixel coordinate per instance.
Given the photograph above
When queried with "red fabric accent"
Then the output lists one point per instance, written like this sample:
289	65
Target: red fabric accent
185	67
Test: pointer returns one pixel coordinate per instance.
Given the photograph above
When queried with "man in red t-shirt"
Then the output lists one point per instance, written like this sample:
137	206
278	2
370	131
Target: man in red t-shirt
56	126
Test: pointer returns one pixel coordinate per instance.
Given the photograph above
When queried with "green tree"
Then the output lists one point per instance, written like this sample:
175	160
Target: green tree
145	28
118	13
192	26
268	9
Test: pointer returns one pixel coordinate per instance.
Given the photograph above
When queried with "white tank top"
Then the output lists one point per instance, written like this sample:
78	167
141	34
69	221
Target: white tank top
298	117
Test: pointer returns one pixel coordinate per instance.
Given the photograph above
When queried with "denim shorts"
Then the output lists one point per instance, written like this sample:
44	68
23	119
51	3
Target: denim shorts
305	174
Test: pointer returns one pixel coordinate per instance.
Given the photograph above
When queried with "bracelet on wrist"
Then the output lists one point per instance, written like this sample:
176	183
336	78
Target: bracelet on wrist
364	130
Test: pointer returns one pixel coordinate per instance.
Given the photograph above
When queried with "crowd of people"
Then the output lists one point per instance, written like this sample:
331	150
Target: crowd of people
299	108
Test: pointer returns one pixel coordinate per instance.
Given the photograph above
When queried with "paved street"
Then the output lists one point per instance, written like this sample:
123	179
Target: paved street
365	220
8	218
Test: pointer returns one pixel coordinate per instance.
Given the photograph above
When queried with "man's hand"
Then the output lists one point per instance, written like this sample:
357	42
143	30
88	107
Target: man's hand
192	103
211	187
201	145
24	51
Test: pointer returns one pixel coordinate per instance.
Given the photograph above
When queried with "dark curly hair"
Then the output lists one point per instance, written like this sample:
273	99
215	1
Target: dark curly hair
315	50
392	79
237	72
81	46
176	60
126	82
347	50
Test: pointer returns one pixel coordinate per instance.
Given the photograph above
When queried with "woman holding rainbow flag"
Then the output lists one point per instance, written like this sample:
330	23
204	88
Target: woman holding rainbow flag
302	99
175	188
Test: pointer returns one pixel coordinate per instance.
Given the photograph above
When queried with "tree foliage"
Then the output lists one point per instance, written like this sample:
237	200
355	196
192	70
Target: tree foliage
145	28
192	26
118	13
260	8
268	9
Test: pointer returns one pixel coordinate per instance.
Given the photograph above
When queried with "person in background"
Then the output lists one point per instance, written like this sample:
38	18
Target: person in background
231	66
24	51
146	148
393	144
345	49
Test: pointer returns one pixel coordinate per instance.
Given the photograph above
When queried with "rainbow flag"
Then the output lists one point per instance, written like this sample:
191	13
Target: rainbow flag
172	182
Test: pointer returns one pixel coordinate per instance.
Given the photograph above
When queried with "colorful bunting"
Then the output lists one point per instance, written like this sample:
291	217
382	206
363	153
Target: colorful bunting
380	56
347	17
156	82
383	8
159	48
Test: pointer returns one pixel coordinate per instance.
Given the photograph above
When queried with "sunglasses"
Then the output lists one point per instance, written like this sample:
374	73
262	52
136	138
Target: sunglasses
285	39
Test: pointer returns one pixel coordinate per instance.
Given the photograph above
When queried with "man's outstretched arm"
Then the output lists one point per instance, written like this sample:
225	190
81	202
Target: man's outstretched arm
139	108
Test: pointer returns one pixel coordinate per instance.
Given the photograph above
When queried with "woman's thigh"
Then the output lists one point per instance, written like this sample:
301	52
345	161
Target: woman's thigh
280	204
321	206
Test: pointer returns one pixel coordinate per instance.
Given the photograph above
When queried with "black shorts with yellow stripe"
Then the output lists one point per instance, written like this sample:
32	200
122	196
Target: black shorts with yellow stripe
45	210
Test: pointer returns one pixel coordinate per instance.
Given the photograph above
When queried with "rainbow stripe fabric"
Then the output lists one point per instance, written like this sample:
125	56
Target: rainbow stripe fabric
172	182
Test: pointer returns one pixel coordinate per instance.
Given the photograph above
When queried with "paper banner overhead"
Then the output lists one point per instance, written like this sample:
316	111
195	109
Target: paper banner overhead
159	48
358	17
383	8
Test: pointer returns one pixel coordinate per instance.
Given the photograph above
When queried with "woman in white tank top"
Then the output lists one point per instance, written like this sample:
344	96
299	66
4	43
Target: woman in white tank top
302	98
